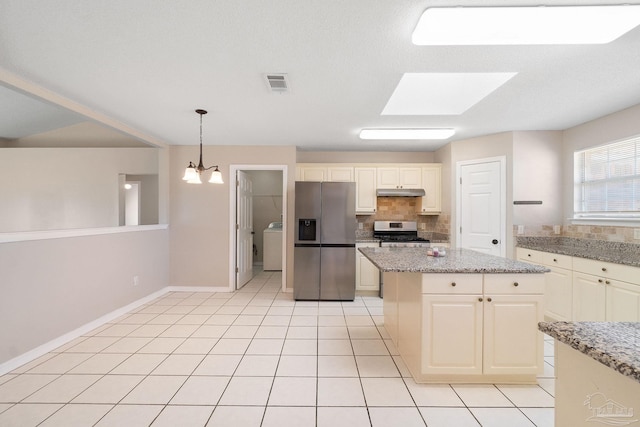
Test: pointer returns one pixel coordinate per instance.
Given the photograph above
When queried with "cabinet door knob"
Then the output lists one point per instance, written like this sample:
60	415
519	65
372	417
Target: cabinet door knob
453	283
607	282
604	269
480	299
529	255
489	299
599	280
515	283
555	260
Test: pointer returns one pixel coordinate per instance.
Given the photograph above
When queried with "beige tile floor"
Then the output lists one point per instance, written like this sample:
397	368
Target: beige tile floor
253	358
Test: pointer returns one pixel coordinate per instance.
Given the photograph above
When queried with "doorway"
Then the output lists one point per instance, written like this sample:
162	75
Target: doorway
481	205
249	218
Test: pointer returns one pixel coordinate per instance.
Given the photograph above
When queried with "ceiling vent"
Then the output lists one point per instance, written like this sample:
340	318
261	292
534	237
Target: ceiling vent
277	82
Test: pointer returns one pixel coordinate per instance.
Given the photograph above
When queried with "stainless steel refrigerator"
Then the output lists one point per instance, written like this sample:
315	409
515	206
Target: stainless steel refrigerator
325	241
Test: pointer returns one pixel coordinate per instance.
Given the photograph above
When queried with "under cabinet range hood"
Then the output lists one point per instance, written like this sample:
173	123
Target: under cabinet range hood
400	192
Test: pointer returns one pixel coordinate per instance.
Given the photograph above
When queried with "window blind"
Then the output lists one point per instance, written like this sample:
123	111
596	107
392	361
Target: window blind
607	181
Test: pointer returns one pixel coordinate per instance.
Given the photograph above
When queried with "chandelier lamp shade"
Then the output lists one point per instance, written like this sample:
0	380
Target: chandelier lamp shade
192	173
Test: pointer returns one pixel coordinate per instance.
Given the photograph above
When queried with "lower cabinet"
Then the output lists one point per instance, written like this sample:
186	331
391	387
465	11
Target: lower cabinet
589	296
558	294
478	326
580	289
367	274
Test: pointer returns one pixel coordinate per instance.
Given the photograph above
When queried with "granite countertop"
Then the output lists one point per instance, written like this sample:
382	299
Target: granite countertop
416	260
601	250
367	240
614	344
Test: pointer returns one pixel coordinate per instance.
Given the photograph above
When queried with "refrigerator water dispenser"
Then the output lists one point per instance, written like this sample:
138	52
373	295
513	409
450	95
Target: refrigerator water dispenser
306	229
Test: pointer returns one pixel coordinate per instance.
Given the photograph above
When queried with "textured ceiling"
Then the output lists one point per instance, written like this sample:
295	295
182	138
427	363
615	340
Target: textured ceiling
150	63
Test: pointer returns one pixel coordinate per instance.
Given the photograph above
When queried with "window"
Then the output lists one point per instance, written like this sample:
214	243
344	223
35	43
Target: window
607	181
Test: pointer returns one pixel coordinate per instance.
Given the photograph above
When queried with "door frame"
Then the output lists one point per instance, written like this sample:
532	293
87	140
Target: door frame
503	197
232	219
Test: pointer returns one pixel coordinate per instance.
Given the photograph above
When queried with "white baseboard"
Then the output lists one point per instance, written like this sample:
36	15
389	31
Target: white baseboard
177	288
43	349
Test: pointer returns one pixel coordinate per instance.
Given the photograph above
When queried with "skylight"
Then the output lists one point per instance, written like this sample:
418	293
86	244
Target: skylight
433	133
441	93
525	25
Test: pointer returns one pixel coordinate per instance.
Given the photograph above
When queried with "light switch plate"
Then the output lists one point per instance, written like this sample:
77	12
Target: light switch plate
521	229
636	233
556	229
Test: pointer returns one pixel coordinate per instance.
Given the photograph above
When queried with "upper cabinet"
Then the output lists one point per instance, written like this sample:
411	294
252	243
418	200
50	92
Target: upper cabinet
399	177
432	184
369	177
366	200
322	172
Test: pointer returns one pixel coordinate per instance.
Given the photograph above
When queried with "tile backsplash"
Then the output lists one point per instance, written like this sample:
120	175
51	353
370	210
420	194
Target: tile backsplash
594	232
406	209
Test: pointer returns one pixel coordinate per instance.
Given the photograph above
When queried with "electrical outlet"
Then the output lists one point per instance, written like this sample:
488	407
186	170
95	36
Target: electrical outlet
360	226
521	229
136	280
636	233
423	226
556	229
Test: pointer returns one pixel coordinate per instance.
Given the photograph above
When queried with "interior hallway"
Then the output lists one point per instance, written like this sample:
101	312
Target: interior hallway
252	358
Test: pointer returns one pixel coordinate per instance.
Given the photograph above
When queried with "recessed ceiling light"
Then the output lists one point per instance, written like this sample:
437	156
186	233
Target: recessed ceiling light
441	93
525	25
433	133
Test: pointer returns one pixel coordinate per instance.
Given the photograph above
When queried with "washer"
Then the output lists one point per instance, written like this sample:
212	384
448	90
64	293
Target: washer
272	247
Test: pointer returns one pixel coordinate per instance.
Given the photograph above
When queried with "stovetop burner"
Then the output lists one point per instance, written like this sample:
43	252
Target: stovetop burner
398	232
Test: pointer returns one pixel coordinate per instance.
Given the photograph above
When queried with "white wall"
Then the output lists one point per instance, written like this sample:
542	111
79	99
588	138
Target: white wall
365	157
199	234
61	188
537	175
51	287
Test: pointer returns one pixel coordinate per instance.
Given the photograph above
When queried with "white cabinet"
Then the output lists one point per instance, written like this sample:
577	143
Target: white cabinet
605	291
311	173
432	184
622	302
340	174
512	342
366	200
589	296
481	325
452	334
399	177
558	294
322	172
581	289
367	274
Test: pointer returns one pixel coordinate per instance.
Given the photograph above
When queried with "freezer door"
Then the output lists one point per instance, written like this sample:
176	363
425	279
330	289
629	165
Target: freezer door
306	273
338	280
338	223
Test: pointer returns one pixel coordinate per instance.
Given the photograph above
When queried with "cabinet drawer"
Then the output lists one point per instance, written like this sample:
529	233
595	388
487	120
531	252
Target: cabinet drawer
608	270
513	284
452	283
529	255
557	260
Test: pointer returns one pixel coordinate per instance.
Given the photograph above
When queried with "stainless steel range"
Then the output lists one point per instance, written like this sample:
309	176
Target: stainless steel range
399	234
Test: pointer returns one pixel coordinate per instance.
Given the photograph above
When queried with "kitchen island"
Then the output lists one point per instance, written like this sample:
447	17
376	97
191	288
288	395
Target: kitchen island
465	317
597	367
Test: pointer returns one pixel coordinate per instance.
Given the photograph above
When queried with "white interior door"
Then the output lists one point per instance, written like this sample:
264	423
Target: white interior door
481	207
244	227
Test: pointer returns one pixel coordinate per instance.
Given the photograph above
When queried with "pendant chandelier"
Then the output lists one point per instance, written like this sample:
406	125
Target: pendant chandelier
192	172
